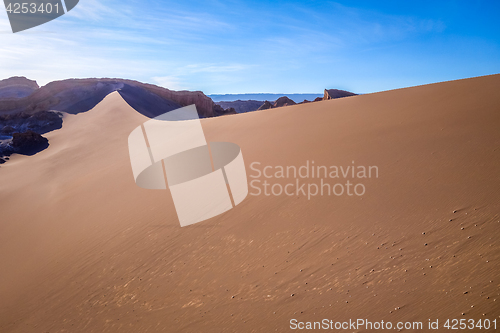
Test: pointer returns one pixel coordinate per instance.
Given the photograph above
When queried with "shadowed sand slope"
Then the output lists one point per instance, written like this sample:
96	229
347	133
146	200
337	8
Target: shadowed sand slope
82	249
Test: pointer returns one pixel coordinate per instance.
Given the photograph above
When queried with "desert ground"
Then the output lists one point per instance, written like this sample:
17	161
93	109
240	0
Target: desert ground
83	249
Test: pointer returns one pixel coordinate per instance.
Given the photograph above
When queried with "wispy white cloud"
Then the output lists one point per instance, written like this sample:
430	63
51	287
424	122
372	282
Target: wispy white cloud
102	11
181	77
221	46
170	82
213	68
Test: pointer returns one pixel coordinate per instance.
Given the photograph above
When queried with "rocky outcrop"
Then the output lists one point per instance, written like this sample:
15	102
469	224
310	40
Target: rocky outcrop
283	101
336	93
219	111
241	106
28	142
265	106
80	95
21	132
40	122
17	87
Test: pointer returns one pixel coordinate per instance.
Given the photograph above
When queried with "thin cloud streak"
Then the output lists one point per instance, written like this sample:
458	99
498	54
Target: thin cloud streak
238	46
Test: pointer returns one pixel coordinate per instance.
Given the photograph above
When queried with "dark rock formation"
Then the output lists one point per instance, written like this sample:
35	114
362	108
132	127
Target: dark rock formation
336	93
328	95
40	122
44	121
265	106
283	101
17	87
219	111
28	143
241	106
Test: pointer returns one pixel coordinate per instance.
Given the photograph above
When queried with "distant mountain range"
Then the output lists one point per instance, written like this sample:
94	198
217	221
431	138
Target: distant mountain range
297	98
241	106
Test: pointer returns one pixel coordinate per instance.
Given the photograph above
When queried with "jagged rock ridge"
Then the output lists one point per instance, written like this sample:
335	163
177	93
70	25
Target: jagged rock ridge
336	93
80	95
241	106
17	87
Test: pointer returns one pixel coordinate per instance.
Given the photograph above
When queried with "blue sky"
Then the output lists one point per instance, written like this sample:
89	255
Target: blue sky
261	46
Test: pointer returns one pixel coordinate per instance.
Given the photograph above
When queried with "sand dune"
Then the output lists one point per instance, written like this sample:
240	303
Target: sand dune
83	249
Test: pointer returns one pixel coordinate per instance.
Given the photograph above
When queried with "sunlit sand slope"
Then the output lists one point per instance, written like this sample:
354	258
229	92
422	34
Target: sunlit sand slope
83	249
